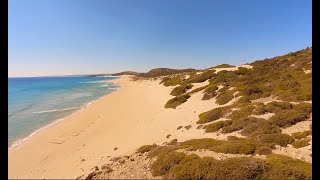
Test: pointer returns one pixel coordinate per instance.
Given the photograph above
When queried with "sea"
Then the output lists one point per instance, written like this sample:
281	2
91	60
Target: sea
35	103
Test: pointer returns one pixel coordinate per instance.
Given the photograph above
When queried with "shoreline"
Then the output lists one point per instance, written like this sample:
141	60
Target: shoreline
115	125
20	141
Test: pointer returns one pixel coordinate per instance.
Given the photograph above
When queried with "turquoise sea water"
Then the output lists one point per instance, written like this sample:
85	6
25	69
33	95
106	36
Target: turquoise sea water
38	101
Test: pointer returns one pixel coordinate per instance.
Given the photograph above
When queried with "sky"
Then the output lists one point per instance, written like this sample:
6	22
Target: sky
61	37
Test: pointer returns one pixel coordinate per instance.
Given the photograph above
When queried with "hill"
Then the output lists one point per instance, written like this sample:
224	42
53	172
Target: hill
263	109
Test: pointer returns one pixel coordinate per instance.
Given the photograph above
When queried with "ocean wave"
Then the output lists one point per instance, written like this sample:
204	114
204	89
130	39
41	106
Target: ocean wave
56	110
103	81
20	110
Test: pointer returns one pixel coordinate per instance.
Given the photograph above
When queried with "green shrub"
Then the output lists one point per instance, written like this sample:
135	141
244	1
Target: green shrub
146	148
275	106
205	143
163	164
276	138
210	92
213	127
303	107
260	109
259	126
235	148
176	101
224	77
264	150
160	151
224	66
233	138
224	97
300	135
284	167
301	143
202	77
213	114
286	118
242	71
193	167
172	81
244	112
164	80
177	91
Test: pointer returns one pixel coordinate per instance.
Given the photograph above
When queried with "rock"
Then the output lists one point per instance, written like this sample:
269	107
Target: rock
96	168
132	159
173	142
98	173
200	126
127	157
188	127
168	136
90	176
106	168
115	148
121	161
179	127
79	176
115	159
83	160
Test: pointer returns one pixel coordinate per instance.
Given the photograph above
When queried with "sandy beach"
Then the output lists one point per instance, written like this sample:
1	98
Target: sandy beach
124	120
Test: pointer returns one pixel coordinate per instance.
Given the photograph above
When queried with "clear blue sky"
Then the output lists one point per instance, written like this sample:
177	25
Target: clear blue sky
53	37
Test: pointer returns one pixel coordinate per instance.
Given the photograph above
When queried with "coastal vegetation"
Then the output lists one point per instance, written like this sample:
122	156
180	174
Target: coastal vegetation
253	106
172	164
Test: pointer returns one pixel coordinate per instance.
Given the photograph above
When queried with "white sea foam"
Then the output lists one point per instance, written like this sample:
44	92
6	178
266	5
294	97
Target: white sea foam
18	142
90	82
56	110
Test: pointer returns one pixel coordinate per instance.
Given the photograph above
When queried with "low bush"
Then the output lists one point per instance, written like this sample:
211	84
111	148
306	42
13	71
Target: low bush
284	167
205	143
242	71
146	148
164	80
264	150
300	135
244	112
303	107
240	147
213	127
202	77
224	97
172	81
176	101
210	92
286	118
301	143
213	114
260	109
160	151
163	164
276	138
258	126
194	167
275	106
177	91
223	66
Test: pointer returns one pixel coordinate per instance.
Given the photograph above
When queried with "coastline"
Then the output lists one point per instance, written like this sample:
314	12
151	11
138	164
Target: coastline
115	125
20	141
